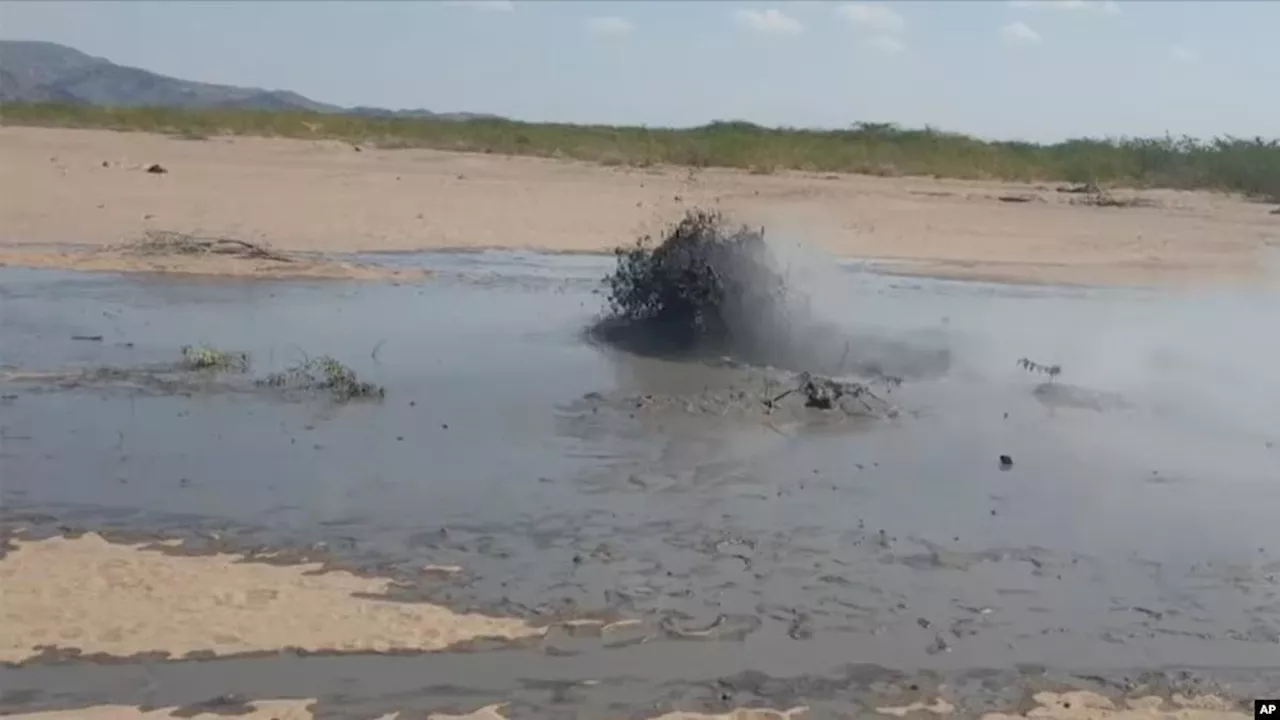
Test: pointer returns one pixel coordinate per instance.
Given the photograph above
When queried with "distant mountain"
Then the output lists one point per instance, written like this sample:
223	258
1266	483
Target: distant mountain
32	71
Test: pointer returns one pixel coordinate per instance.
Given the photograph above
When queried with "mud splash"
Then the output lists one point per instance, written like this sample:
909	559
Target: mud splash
708	289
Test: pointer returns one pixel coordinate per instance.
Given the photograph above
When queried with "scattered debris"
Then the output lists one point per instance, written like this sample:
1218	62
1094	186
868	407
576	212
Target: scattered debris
87	338
1096	196
823	393
205	357
157	169
167	242
1089	188
762	395
1104	198
1052	371
939	645
722	628
327	374
1021	198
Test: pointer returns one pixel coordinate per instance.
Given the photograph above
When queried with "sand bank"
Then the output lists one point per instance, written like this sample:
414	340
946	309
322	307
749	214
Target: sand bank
92	189
121	600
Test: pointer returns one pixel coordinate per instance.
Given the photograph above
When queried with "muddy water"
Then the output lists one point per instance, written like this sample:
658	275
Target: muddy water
764	564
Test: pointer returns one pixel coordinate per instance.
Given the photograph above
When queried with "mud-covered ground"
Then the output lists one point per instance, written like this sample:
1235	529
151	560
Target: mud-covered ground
529	519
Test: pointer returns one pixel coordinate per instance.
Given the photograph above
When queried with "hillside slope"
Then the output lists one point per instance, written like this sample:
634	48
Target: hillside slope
43	72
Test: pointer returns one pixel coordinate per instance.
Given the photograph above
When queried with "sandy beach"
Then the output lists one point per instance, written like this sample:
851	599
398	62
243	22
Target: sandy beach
69	197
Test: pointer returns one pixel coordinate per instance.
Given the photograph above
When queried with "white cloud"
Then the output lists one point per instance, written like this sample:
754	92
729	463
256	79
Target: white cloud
1106	7
1020	33
887	44
1184	54
486	5
769	22
872	16
609	26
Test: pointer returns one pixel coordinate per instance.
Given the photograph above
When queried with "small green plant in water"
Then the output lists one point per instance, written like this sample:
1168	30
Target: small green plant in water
205	357
325	373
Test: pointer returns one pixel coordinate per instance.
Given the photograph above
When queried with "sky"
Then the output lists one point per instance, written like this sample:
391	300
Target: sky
1040	70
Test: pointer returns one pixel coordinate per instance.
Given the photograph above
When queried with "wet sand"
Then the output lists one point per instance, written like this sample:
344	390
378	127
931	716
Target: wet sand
115	259
65	192
259	710
1053	706
632	560
1088	706
121	601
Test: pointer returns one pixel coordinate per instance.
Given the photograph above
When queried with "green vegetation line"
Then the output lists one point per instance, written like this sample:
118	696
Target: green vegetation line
1251	167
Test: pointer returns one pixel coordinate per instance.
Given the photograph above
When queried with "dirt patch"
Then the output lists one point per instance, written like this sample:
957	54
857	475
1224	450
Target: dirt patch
301	710
158	379
169	252
937	707
168	243
796	713
256	710
124	600
1098	197
1085	705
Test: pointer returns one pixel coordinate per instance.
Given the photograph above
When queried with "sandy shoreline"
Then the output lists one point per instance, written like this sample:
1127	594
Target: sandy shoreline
122	600
91	189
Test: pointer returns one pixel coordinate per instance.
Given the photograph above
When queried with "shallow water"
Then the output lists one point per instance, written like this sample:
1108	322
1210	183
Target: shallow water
1131	532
